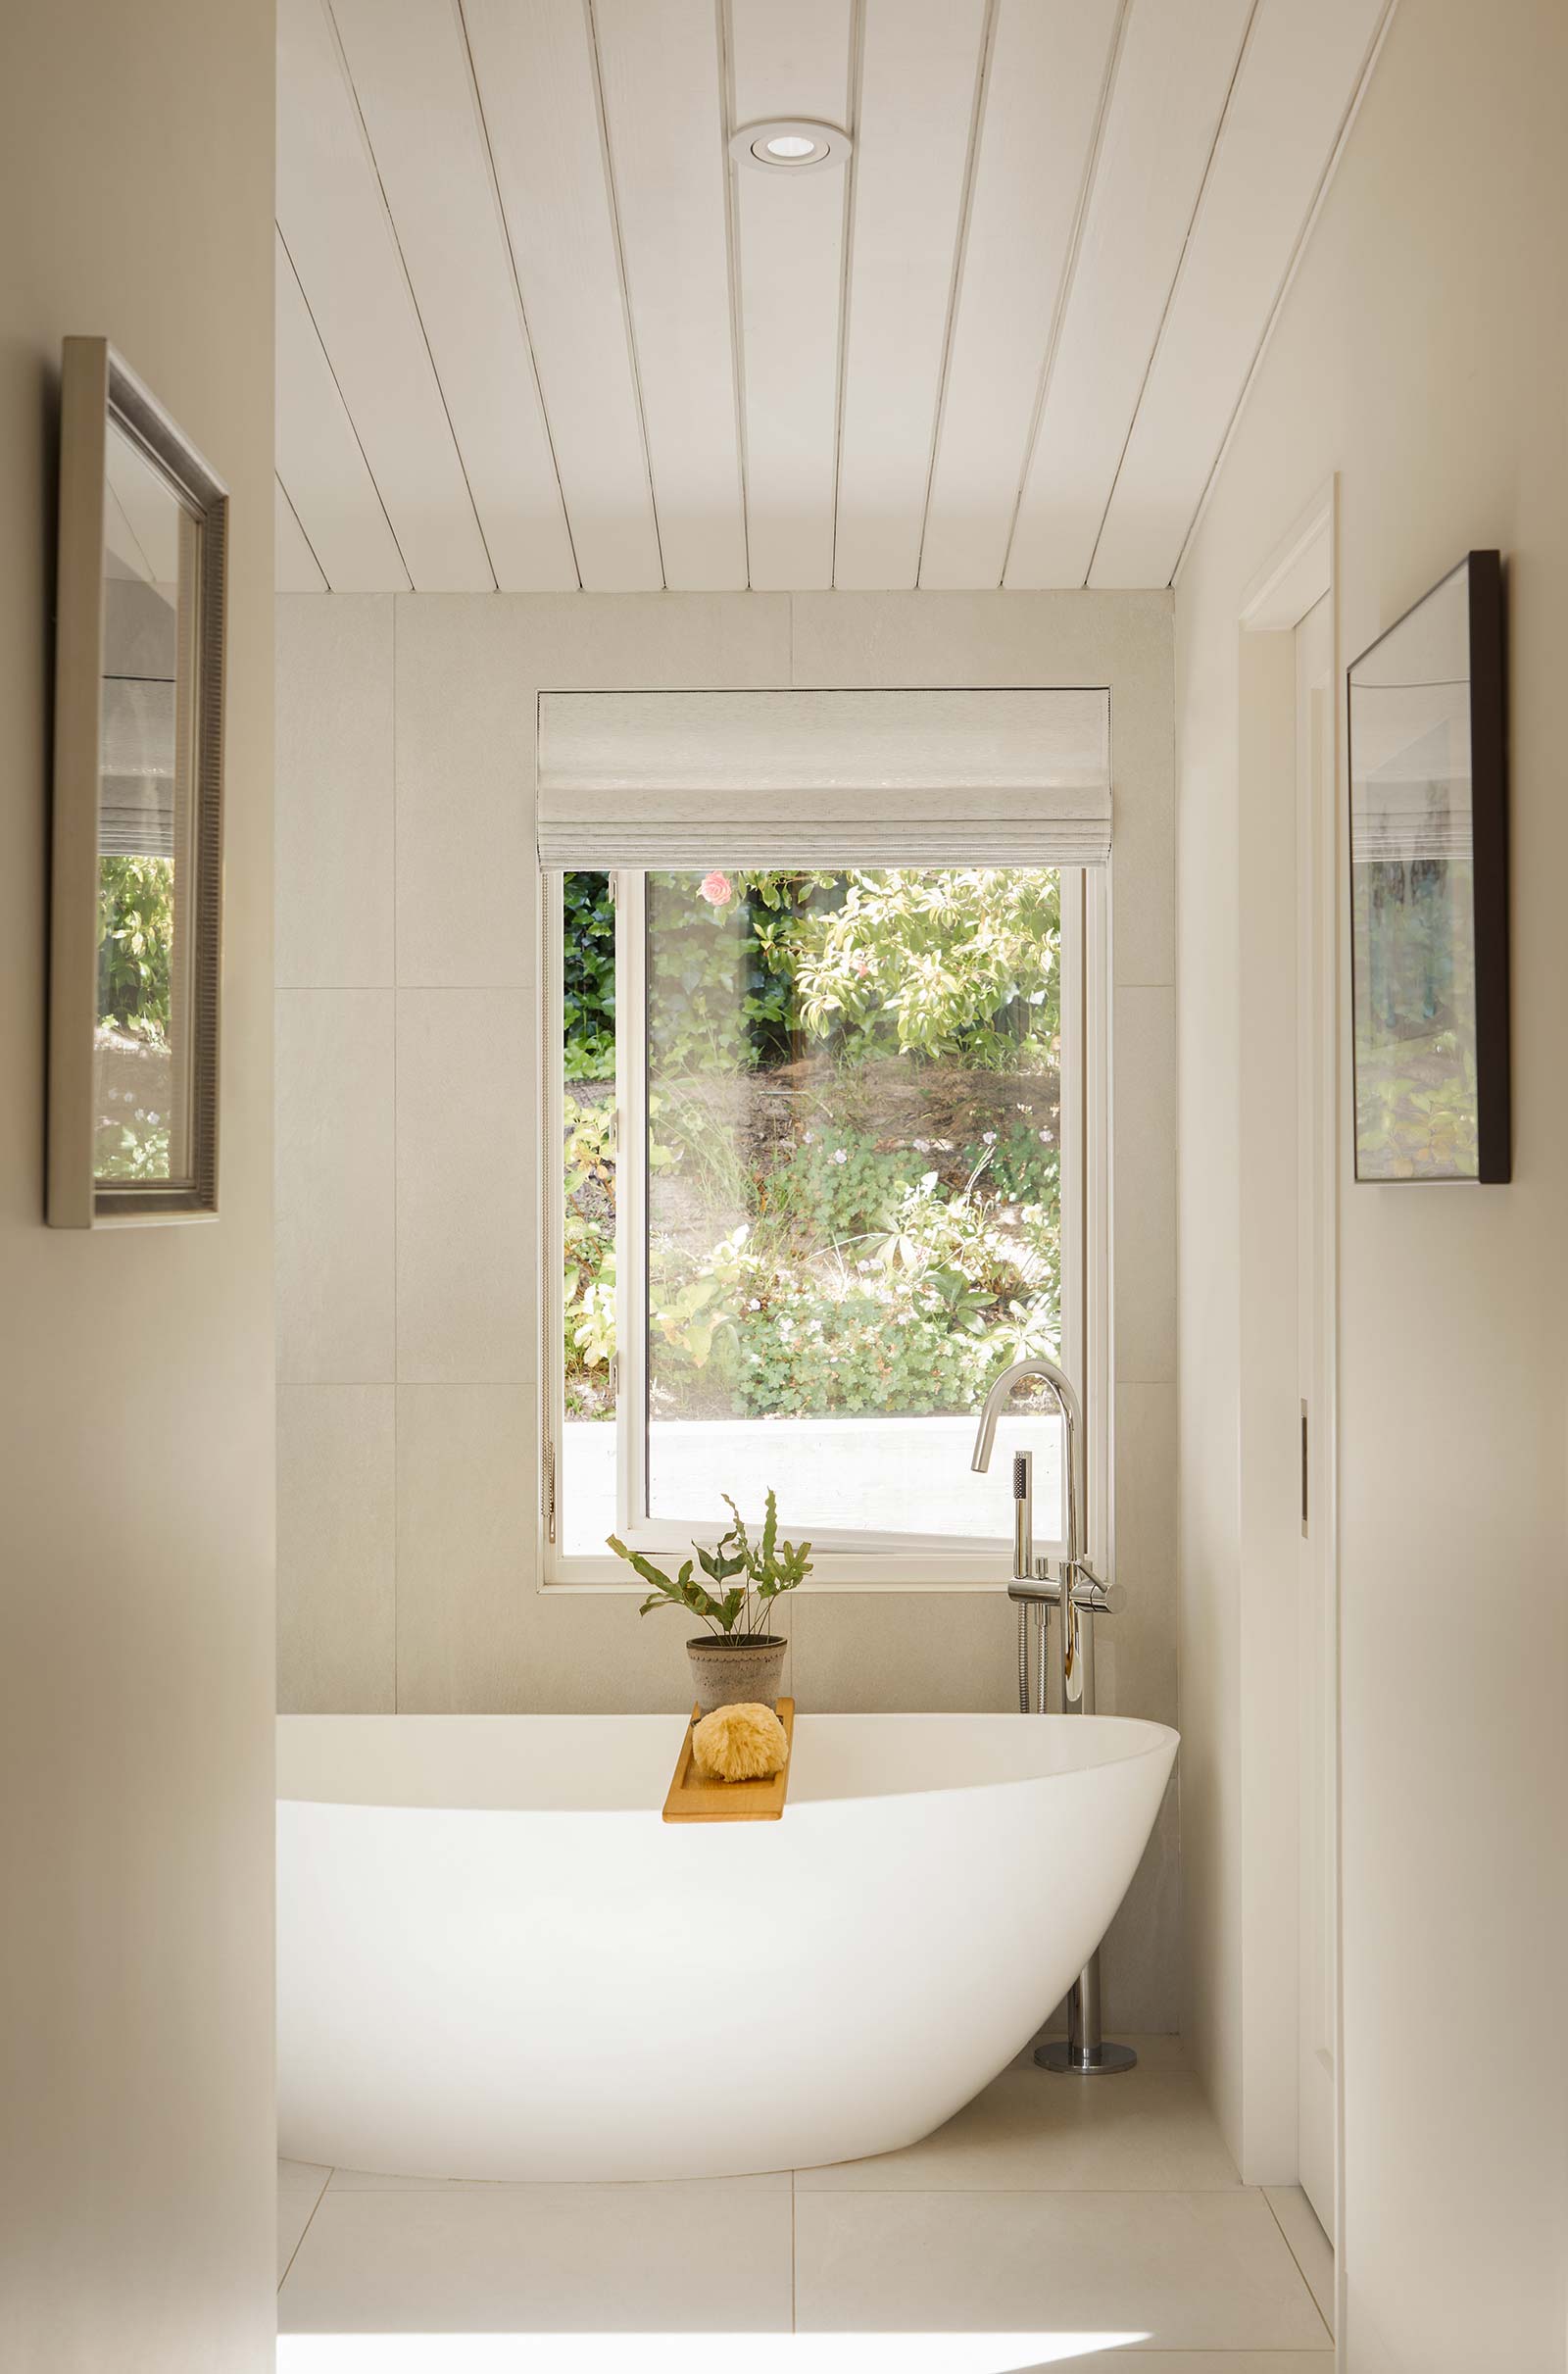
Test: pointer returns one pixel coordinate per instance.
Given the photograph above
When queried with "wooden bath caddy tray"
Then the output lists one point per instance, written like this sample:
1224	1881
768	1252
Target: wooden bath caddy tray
692	1799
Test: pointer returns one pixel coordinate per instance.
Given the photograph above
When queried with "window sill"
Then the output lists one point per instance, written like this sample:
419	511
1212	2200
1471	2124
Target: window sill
871	1577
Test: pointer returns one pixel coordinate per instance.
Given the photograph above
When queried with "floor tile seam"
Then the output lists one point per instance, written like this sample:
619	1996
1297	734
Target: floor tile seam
524	2187
550	2184
305	2229
1297	2263
1059	2191
1048	2191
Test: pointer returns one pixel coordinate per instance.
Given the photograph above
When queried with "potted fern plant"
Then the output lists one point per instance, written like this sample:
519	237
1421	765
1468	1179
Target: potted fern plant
737	1660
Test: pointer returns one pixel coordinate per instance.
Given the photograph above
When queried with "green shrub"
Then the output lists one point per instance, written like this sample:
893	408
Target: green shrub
874	1268
135	944
588	976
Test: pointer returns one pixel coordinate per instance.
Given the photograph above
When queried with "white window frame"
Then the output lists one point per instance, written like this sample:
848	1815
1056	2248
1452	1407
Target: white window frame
861	1560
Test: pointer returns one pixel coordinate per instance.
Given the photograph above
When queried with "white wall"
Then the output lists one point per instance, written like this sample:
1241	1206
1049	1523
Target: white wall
136	1611
1423	354
408	1158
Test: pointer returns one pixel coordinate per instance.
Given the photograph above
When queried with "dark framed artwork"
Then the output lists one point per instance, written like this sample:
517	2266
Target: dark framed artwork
1429	887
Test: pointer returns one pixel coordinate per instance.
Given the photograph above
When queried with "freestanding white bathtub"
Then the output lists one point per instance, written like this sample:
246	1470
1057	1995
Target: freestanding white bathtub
495	1959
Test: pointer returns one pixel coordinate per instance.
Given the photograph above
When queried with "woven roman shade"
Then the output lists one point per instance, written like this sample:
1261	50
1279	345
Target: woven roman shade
136	788
680	780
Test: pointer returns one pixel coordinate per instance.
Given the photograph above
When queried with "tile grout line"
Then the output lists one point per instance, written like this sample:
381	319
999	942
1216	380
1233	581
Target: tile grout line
1297	2263
1062	2191
395	1282
305	2229
794	2311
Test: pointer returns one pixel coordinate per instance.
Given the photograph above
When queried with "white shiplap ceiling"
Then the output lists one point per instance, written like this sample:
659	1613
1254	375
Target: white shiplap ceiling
535	331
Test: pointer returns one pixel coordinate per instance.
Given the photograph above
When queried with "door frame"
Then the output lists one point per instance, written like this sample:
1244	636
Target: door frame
1300	570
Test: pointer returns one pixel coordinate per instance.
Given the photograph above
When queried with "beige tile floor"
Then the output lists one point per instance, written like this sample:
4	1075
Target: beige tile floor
1064	2224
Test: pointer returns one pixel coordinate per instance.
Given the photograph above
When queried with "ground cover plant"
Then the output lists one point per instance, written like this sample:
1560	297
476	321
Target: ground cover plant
853	1171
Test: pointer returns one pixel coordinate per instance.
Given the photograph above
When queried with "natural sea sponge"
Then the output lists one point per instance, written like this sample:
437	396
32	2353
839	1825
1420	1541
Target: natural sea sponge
739	1742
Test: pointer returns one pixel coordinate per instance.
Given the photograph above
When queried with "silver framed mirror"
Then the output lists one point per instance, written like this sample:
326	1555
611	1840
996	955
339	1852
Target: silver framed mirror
136	899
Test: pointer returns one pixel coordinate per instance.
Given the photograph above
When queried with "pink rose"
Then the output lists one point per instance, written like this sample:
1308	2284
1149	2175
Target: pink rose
715	888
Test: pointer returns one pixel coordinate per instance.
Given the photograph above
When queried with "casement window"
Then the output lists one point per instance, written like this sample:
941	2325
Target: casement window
822	1145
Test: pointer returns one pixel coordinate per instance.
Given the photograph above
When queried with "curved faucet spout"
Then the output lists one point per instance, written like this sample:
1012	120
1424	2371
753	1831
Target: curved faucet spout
1072	1416
1001	1394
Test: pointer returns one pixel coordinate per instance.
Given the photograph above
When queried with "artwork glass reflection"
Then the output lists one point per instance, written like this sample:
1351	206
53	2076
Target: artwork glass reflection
142	1042
1426	861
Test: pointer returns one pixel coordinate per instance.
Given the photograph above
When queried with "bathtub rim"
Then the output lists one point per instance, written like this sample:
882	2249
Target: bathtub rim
1156	1737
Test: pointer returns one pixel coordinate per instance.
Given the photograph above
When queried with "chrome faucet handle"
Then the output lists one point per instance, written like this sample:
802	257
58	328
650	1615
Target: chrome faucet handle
1091	1592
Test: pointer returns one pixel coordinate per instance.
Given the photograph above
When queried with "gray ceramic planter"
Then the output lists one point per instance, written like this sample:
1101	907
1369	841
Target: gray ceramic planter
731	1673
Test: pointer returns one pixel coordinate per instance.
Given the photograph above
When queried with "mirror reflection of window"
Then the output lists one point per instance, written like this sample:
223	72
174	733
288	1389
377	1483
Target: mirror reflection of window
143	1038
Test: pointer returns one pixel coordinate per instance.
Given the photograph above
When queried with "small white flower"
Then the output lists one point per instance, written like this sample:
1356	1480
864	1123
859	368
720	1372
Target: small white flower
140	1115
839	1154
1044	1137
754	1303
153	1117
989	1138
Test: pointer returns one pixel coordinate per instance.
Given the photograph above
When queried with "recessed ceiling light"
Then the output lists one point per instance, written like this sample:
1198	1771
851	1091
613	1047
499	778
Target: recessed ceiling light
789	145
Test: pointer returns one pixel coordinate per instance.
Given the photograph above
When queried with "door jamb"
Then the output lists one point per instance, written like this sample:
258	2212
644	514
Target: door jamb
1302	568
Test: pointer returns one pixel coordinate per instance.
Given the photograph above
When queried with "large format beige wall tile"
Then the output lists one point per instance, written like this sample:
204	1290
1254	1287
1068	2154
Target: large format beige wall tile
982	638
1135	1652
464	1536
334	1228
334	833
618	642
467	888
336	1611
466	1191
474	1633
879	1651
590	1653
1144	1137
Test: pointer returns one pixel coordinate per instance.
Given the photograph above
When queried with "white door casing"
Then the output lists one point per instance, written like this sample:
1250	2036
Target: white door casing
1316	881
1290	859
